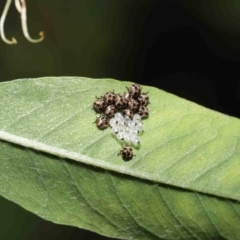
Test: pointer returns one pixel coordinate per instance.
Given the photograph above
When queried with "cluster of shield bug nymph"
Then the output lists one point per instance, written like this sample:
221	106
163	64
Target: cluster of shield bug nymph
123	113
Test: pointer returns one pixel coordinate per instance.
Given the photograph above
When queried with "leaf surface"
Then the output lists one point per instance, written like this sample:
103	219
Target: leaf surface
56	163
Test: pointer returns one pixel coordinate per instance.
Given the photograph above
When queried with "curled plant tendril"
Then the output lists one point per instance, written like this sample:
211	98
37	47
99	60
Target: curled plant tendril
22	9
4	14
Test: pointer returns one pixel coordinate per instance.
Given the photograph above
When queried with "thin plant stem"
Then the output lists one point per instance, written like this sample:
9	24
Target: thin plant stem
18	6
22	9
2	20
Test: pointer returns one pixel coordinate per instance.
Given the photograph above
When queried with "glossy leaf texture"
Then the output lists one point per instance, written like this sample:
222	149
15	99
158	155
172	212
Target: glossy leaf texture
183	182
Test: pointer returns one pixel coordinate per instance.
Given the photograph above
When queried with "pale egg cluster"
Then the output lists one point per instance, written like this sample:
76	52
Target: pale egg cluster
127	129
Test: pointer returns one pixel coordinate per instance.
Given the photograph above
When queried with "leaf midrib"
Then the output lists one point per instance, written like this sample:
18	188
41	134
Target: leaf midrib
62	153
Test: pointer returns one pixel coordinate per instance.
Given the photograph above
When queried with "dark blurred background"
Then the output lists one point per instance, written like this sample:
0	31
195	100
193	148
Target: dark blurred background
186	47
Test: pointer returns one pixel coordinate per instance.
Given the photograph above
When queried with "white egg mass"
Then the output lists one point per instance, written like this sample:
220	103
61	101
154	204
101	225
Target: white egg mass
125	129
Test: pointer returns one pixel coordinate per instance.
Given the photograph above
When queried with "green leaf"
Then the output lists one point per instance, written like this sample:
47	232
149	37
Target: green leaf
183	182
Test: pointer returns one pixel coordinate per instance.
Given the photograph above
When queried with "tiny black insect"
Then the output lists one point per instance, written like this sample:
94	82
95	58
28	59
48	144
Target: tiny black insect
127	97
119	102
135	90
99	105
143	99
102	122
143	112
109	98
127	112
126	153
133	105
110	111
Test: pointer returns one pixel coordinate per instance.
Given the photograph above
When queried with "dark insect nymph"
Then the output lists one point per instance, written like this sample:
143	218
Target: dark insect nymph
102	122
126	153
